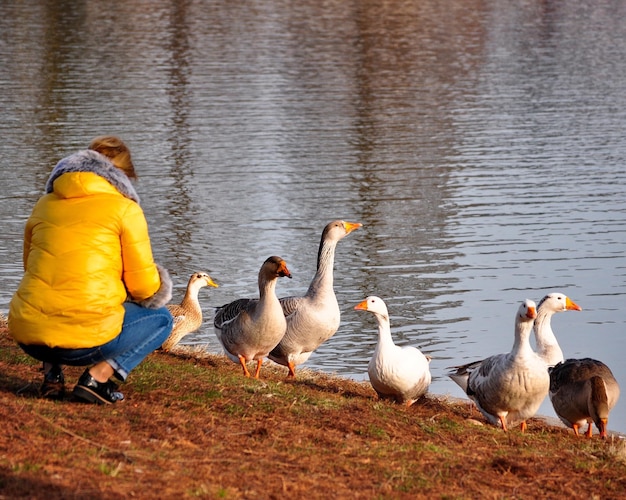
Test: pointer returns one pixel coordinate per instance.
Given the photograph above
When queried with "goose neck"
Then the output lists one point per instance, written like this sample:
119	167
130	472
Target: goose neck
522	337
266	287
325	262
384	329
543	329
191	295
189	301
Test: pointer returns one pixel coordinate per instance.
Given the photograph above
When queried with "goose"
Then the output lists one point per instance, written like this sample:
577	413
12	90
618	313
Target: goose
249	329
313	318
546	344
188	314
400	373
583	391
508	388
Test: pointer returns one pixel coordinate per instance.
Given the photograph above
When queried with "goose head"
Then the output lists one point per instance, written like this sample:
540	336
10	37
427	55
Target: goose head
557	302
274	267
527	311
201	279
337	229
374	305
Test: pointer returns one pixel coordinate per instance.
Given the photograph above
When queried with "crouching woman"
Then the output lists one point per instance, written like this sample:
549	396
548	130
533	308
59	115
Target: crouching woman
91	294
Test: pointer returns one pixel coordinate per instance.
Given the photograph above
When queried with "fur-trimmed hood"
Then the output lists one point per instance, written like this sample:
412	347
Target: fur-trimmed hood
92	161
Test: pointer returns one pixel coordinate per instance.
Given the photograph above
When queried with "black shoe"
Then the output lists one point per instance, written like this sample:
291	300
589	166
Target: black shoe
89	390
53	386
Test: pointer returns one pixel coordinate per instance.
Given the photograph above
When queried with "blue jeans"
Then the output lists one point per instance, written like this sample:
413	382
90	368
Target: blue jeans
143	331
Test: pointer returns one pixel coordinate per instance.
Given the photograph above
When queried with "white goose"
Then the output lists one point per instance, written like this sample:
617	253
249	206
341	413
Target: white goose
249	329
188	314
508	388
313	318
547	346
400	373
583	391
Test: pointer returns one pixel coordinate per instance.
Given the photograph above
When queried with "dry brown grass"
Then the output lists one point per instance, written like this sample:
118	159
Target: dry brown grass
193	427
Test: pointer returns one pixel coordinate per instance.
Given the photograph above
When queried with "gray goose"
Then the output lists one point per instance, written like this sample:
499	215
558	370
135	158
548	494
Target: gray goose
508	388
548	347
314	317
188	314
583	391
249	329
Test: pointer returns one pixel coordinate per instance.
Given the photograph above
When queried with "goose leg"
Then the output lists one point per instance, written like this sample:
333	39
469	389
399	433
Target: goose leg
242	361
503	422
589	432
292	369
258	368
604	422
523	426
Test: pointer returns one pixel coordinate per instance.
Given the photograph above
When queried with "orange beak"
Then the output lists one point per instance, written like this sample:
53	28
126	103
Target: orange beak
351	226
361	306
572	306
283	271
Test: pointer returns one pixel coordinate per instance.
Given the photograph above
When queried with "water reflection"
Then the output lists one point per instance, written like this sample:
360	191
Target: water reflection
479	144
178	70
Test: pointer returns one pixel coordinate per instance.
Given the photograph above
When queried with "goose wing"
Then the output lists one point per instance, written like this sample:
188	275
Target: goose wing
290	304
228	313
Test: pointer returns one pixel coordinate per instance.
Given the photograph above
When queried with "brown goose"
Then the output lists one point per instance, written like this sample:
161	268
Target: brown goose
188	314
249	329
313	318
583	391
508	388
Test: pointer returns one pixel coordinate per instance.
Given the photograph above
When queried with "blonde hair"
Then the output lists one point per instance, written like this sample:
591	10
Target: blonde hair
115	150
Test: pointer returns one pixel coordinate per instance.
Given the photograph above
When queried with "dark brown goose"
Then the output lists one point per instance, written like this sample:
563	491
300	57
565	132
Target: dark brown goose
583	391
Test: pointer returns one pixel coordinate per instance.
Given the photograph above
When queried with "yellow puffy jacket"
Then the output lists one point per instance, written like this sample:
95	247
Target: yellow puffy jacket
86	250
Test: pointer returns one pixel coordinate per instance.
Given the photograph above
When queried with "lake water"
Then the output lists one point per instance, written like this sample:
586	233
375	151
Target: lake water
480	144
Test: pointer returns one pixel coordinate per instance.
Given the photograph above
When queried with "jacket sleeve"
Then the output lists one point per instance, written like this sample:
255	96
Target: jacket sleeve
28	235
147	283
26	248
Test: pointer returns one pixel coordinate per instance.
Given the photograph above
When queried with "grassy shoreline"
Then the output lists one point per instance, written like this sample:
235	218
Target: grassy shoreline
193	427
